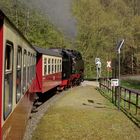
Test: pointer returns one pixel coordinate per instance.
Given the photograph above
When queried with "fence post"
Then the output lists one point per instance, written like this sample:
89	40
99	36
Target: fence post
125	98
115	95
137	103
129	98
120	94
112	94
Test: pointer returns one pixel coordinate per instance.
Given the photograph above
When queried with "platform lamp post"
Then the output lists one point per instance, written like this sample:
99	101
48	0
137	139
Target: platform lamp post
119	46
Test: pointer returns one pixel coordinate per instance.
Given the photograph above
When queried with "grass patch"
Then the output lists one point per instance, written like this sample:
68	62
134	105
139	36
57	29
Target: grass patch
83	114
133	84
131	113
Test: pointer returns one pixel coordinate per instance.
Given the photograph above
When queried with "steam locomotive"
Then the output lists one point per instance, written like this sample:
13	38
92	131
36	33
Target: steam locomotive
26	70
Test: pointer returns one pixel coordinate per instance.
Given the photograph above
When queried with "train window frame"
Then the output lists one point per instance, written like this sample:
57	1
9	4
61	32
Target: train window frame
19	70
45	66
52	70
28	69
55	65
49	65
32	68
7	72
60	65
24	74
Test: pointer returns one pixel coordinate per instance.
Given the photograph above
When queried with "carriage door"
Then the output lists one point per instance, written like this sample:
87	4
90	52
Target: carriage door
8	80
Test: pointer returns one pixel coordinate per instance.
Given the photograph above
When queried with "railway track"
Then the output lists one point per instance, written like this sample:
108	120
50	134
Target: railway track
39	109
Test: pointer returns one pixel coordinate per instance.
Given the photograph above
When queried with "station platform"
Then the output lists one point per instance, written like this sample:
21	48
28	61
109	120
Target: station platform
84	114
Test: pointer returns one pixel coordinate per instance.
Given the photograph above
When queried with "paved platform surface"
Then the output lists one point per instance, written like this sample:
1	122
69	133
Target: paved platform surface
84	114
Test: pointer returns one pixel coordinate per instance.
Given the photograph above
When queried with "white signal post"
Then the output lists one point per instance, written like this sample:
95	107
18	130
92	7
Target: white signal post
119	46
98	68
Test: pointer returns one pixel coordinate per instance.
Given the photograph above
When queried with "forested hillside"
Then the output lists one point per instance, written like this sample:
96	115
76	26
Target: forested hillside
33	24
101	23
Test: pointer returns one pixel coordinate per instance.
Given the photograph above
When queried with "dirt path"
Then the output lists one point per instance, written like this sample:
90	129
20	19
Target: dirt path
83	114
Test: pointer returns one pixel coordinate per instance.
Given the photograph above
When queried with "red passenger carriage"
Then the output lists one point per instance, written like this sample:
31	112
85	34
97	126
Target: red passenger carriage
48	70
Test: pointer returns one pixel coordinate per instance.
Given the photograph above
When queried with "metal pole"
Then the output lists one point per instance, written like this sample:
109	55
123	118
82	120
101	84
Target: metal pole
119	80
97	73
119	92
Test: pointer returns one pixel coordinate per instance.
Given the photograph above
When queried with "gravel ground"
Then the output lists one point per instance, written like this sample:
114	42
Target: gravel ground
43	108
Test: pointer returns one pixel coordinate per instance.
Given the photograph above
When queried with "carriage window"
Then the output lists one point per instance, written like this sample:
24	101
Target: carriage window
31	68
52	65
60	65
24	70
28	68
8	59
18	78
45	66
55	65
49	66
8	80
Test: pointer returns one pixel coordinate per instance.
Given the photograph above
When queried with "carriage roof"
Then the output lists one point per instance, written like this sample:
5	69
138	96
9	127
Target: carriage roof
47	51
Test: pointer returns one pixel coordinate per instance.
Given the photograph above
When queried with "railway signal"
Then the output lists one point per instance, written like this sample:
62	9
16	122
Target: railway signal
119	45
108	64
108	68
98	68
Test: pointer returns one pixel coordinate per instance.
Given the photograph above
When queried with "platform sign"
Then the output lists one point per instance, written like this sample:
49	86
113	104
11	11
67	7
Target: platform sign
114	82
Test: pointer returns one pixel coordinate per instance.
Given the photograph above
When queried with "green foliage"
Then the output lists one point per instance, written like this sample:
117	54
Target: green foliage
34	25
133	84
101	24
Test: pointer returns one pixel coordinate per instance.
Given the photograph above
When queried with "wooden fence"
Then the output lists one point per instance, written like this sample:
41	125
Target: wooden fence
129	99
